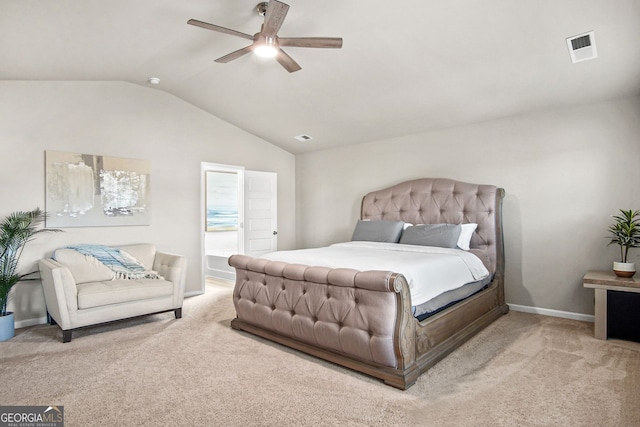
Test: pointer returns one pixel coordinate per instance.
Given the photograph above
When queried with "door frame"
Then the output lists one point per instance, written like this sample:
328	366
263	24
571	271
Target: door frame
218	167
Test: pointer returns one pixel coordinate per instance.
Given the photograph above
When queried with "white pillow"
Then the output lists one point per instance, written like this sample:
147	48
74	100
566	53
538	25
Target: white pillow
83	268
465	235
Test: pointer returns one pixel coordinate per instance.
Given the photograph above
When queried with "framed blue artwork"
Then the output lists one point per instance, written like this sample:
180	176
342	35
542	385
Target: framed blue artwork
222	201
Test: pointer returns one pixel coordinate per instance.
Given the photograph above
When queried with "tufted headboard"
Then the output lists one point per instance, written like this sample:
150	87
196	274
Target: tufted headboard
437	201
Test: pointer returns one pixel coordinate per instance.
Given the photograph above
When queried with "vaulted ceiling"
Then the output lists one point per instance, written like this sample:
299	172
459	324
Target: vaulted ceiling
405	67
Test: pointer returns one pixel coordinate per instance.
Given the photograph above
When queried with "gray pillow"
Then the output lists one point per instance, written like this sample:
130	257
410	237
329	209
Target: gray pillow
440	235
378	231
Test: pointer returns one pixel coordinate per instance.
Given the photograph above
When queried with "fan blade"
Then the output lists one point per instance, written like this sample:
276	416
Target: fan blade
235	55
218	29
287	62
325	42
273	19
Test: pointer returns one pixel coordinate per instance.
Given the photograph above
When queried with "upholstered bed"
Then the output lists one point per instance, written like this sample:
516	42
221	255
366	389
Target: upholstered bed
364	319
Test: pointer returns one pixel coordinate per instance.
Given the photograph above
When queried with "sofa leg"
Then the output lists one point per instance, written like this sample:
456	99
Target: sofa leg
51	320
66	335
178	312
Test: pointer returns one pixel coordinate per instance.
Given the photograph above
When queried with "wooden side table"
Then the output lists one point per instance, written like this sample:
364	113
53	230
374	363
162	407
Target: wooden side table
601	282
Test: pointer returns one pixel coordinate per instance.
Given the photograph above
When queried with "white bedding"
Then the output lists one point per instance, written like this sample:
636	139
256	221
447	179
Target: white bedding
430	271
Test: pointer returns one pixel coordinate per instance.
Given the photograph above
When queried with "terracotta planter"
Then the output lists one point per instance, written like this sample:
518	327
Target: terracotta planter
624	269
7	327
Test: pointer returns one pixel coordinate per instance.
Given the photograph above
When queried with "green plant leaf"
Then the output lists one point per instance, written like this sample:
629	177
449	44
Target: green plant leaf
16	230
625	231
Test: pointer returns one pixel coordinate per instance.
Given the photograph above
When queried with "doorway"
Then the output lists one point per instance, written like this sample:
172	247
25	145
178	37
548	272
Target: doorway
239	213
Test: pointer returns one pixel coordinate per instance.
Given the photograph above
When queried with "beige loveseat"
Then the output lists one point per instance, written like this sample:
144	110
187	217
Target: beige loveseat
80	291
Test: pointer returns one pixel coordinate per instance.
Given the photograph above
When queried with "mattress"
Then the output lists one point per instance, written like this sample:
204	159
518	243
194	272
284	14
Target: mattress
436	276
435	305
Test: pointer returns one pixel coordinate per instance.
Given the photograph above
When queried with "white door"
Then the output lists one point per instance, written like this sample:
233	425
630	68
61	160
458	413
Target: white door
260	212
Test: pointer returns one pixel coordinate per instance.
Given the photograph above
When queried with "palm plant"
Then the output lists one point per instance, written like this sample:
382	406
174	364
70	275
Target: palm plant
625	231
15	231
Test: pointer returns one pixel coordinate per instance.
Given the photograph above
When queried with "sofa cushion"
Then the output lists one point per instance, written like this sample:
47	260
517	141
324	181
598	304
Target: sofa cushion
83	268
101	293
143	252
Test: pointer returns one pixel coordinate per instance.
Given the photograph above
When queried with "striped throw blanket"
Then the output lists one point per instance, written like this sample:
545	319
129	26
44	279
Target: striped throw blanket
123	264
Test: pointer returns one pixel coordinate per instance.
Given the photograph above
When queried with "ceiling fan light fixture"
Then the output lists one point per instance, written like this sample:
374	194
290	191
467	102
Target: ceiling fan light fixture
266	49
266	42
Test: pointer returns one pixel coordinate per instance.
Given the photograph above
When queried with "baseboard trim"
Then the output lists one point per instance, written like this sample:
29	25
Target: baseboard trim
30	322
553	313
515	307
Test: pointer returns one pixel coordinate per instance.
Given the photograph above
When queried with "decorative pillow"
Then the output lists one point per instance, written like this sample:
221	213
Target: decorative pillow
440	235
378	231
465	235
83	268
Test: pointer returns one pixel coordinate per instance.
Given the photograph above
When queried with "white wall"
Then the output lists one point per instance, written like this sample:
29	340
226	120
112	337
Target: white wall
564	171
124	120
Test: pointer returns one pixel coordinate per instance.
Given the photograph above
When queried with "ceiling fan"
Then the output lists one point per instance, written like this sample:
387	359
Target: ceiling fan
266	42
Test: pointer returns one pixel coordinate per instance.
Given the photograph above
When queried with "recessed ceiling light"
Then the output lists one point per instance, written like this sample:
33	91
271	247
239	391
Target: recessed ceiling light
303	138
154	80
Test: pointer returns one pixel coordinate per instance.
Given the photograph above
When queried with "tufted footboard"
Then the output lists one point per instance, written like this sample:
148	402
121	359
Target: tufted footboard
361	320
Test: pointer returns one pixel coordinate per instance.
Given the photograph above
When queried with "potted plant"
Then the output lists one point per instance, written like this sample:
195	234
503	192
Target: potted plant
16	230
625	232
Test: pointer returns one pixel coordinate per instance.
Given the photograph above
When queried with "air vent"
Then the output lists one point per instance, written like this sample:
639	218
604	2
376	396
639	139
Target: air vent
582	47
303	138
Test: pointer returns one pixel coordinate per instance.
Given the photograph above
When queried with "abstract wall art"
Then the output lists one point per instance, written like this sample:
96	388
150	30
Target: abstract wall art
86	190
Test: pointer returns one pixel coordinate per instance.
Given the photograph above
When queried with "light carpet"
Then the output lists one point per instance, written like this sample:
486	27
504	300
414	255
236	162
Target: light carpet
523	370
